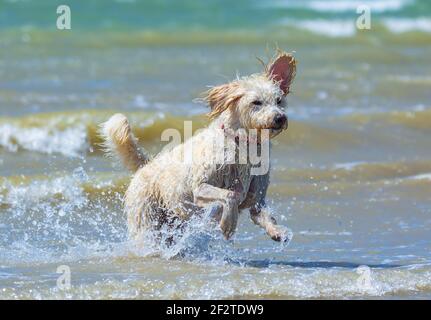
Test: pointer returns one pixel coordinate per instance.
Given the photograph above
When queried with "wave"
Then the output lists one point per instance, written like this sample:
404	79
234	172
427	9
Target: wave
204	282
31	190
74	134
425	176
394	181
346	28
287	31
79	187
63	217
401	25
358	172
69	142
377	6
328	28
419	120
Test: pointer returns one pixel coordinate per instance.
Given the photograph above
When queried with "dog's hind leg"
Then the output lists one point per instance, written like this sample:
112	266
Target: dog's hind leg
207	195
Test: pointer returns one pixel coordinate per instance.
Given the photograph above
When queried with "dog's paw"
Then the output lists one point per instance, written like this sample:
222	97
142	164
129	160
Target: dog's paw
281	234
228	222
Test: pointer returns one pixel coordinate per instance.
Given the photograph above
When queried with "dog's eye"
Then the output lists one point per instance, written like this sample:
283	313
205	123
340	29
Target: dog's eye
257	102
278	101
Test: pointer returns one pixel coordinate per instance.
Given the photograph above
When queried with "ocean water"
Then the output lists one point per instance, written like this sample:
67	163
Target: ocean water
351	176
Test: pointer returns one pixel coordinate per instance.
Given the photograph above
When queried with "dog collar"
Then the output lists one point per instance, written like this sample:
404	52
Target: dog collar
229	133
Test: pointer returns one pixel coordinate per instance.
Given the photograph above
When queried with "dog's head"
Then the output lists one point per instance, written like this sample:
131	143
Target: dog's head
257	101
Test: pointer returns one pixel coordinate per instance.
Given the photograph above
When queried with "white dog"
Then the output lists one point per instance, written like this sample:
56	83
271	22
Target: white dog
168	189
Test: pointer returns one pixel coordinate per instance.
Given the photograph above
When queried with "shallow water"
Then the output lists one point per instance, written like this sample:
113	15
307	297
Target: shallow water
351	176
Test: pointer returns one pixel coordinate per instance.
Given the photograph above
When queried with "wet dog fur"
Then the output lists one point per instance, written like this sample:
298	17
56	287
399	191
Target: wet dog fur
168	188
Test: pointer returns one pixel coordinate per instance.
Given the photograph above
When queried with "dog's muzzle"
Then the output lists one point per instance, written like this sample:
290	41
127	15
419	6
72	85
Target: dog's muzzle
279	122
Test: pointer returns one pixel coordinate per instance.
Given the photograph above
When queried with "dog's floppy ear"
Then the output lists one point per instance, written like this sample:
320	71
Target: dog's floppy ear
282	70
222	97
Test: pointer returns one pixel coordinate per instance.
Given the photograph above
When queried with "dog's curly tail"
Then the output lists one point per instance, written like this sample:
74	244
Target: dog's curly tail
118	140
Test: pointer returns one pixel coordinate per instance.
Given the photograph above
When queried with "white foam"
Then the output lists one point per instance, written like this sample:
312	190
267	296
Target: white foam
425	176
342	6
69	142
39	190
218	282
413	79
329	28
324	233
400	25
348	165
199	239
47	216
140	101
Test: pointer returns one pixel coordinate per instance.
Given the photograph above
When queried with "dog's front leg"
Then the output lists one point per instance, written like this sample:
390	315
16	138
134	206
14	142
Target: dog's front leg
263	218
207	194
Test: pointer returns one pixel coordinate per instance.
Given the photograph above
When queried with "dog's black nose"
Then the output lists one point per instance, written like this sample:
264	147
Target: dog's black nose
279	121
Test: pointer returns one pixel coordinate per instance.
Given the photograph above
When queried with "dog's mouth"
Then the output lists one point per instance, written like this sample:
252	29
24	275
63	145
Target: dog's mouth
276	130
273	132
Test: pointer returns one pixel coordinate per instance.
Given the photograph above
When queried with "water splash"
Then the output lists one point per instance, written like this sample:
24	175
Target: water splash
199	239
51	220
